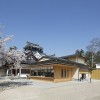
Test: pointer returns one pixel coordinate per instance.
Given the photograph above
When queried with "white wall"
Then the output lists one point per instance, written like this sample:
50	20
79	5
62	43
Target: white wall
44	59
97	65
75	72
80	60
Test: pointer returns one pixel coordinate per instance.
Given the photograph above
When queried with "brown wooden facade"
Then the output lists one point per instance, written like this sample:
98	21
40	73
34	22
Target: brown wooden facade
59	72
96	74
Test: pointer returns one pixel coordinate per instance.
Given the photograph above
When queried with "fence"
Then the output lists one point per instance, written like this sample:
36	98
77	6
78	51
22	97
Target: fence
96	74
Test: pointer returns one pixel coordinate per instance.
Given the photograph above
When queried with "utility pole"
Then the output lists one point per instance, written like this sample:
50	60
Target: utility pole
92	60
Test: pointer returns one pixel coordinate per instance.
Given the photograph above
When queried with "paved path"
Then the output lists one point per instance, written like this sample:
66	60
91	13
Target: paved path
40	90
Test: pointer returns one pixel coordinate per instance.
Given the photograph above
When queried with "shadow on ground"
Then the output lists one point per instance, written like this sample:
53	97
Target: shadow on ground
10	85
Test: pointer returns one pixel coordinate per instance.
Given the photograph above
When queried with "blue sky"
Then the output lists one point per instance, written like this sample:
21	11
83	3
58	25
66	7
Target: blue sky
59	26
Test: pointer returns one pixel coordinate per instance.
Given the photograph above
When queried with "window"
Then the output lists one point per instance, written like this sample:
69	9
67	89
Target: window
67	73
25	71
43	71
64	73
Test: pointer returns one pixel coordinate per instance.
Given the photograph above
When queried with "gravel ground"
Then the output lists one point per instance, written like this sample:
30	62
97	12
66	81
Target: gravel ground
41	90
7	84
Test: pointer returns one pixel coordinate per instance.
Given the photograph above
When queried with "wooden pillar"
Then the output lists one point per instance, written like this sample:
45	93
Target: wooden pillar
15	72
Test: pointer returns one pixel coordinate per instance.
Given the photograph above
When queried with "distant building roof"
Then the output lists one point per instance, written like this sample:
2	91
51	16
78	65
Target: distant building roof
33	46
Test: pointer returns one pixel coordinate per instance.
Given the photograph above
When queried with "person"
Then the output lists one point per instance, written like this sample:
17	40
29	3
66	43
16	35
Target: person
80	78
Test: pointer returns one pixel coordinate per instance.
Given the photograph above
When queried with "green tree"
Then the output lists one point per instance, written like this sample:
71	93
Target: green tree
79	52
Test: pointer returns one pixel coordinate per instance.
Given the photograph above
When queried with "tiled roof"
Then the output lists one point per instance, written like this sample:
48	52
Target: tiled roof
74	55
56	60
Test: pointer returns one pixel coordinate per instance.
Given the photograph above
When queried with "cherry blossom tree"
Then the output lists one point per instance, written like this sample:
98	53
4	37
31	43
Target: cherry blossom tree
15	57
3	52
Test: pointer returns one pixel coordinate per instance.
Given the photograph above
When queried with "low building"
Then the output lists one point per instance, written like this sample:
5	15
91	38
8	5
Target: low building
98	65
58	70
54	69
84	72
